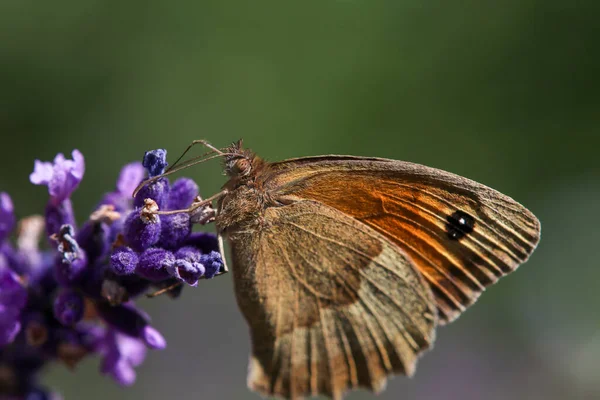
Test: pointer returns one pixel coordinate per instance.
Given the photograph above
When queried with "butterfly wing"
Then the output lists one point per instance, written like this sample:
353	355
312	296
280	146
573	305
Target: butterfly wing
331	304
461	235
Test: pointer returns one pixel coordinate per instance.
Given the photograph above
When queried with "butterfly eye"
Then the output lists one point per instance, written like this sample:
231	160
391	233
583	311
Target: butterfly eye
242	166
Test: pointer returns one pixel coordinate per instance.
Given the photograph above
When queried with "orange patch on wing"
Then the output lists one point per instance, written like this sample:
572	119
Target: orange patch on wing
414	215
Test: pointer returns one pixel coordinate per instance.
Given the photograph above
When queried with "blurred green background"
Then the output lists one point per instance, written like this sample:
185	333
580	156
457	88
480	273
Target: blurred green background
505	93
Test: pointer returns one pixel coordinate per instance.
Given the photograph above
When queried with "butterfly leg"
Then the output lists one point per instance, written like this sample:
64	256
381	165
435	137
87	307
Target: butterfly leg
164	290
198	204
222	251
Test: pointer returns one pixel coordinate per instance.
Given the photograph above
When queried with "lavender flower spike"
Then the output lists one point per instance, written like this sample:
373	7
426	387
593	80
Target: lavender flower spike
62	176
77	298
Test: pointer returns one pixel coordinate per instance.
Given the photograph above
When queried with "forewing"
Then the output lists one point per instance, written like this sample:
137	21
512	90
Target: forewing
460	234
332	305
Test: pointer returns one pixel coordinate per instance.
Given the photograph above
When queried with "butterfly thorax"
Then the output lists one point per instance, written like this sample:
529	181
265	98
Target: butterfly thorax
240	210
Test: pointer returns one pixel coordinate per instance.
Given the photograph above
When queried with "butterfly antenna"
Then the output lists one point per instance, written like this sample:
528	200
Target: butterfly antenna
212	148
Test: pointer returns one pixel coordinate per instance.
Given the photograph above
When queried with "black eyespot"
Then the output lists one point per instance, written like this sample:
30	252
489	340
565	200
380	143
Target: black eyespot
459	225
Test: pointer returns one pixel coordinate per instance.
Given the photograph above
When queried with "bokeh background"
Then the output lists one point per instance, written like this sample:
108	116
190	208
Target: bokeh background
505	93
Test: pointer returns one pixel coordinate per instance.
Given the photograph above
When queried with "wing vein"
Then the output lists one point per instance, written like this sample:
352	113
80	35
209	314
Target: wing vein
352	249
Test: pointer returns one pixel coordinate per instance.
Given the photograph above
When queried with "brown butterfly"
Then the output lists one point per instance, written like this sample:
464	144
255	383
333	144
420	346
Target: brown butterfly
344	266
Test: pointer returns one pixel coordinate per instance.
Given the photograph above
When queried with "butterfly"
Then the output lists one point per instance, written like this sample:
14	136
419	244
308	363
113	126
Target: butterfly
344	266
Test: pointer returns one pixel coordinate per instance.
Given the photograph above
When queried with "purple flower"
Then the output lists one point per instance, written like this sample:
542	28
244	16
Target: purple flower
10	325
62	176
212	262
140	234
182	194
186	271
121	354
131	321
94	237
175	229
13	297
7	216
155	161
154	262
57	215
101	267
13	293
157	191
123	261
153	338
131	175
187	266
68	307
69	272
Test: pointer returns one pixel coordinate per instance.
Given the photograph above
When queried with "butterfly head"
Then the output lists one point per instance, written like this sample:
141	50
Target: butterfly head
239	162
